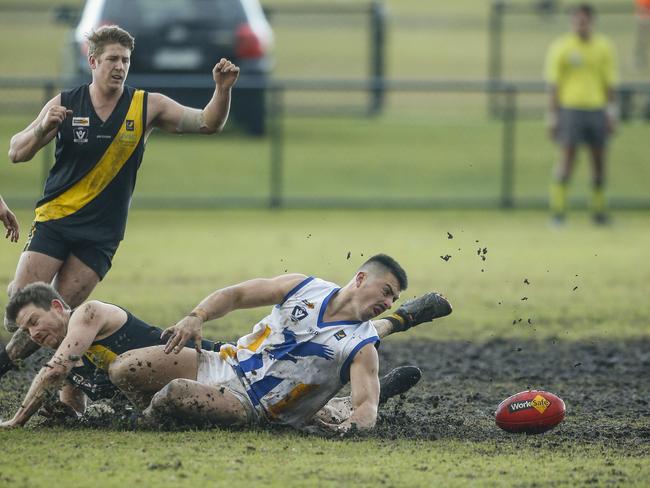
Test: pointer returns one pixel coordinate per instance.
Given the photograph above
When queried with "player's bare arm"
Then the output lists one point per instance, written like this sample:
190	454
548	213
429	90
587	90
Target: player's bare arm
10	222
553	111
25	144
86	324
248	294
170	116
364	383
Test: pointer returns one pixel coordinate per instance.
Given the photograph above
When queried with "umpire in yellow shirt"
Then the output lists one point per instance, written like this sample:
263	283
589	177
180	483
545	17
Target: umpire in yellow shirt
581	74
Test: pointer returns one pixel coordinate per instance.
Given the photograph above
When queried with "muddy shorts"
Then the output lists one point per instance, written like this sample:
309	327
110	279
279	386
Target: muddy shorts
582	127
217	373
46	238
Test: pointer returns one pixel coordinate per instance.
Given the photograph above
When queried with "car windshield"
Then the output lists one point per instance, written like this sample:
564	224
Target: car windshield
150	14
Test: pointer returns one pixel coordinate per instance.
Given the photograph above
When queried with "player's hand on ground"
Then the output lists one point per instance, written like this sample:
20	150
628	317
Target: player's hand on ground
9	424
225	74
53	118
188	328
10	222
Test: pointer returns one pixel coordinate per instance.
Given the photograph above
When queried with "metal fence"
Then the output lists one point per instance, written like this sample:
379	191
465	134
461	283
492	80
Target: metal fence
503	140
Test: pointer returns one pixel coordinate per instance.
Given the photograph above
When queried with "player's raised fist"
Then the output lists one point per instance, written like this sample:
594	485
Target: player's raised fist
54	117
225	74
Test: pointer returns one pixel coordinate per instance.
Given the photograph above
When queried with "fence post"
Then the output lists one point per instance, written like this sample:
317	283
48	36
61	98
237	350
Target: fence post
508	147
495	54
276	133
48	150
377	50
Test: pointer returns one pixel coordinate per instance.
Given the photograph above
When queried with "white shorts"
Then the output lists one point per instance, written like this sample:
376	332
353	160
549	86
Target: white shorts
217	373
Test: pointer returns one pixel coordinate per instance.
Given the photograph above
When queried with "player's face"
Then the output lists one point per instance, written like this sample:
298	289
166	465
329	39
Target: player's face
45	327
582	24
376	294
111	67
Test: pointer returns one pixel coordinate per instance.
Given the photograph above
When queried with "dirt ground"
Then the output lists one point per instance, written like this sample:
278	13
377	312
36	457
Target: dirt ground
605	386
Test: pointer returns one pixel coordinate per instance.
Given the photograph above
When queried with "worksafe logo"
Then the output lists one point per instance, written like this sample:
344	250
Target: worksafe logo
130	125
539	403
80	134
298	313
340	335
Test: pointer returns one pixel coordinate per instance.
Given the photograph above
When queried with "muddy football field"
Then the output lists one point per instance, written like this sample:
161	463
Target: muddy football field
562	311
605	387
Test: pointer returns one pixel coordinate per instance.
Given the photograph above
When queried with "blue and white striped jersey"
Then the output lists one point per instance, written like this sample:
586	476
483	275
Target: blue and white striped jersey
293	362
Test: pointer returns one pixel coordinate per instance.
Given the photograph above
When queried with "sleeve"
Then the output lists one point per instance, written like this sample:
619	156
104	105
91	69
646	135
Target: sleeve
552	67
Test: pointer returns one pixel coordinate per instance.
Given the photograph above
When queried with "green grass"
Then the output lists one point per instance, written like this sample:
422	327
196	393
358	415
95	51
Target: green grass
409	153
170	260
423	146
225	459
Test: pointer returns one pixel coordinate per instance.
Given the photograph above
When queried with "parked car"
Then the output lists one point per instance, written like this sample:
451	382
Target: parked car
184	39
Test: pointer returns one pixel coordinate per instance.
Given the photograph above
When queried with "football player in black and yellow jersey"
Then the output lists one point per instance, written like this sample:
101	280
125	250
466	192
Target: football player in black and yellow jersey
86	341
100	131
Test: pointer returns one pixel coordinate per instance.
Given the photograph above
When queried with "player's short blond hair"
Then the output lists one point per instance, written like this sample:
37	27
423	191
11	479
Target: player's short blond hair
108	34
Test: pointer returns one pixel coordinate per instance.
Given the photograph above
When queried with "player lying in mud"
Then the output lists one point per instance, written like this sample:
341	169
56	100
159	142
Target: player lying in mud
317	338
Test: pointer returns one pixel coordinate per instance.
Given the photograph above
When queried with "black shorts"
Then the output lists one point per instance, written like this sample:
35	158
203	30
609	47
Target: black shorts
46	238
582	127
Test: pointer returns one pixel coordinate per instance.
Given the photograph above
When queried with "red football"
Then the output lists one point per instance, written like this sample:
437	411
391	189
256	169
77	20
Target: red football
530	411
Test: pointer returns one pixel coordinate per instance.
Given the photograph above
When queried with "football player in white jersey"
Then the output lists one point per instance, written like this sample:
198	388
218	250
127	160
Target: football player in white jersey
317	337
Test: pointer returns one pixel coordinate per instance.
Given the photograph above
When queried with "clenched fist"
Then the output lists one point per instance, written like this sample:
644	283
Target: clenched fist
225	74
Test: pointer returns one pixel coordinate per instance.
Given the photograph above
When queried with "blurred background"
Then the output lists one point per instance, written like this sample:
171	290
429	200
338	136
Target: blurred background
340	104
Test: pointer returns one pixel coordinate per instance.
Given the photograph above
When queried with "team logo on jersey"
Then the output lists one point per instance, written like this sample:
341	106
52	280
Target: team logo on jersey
130	125
340	335
298	313
81	121
80	134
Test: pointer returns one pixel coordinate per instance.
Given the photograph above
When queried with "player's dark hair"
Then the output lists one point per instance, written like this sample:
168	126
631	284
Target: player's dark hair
108	34
39	293
390	265
585	8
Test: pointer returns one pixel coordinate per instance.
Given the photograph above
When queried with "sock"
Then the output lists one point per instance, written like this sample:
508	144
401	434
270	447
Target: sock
598	203
558	198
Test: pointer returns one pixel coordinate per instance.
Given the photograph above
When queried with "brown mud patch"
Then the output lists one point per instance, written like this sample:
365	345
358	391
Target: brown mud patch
605	385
